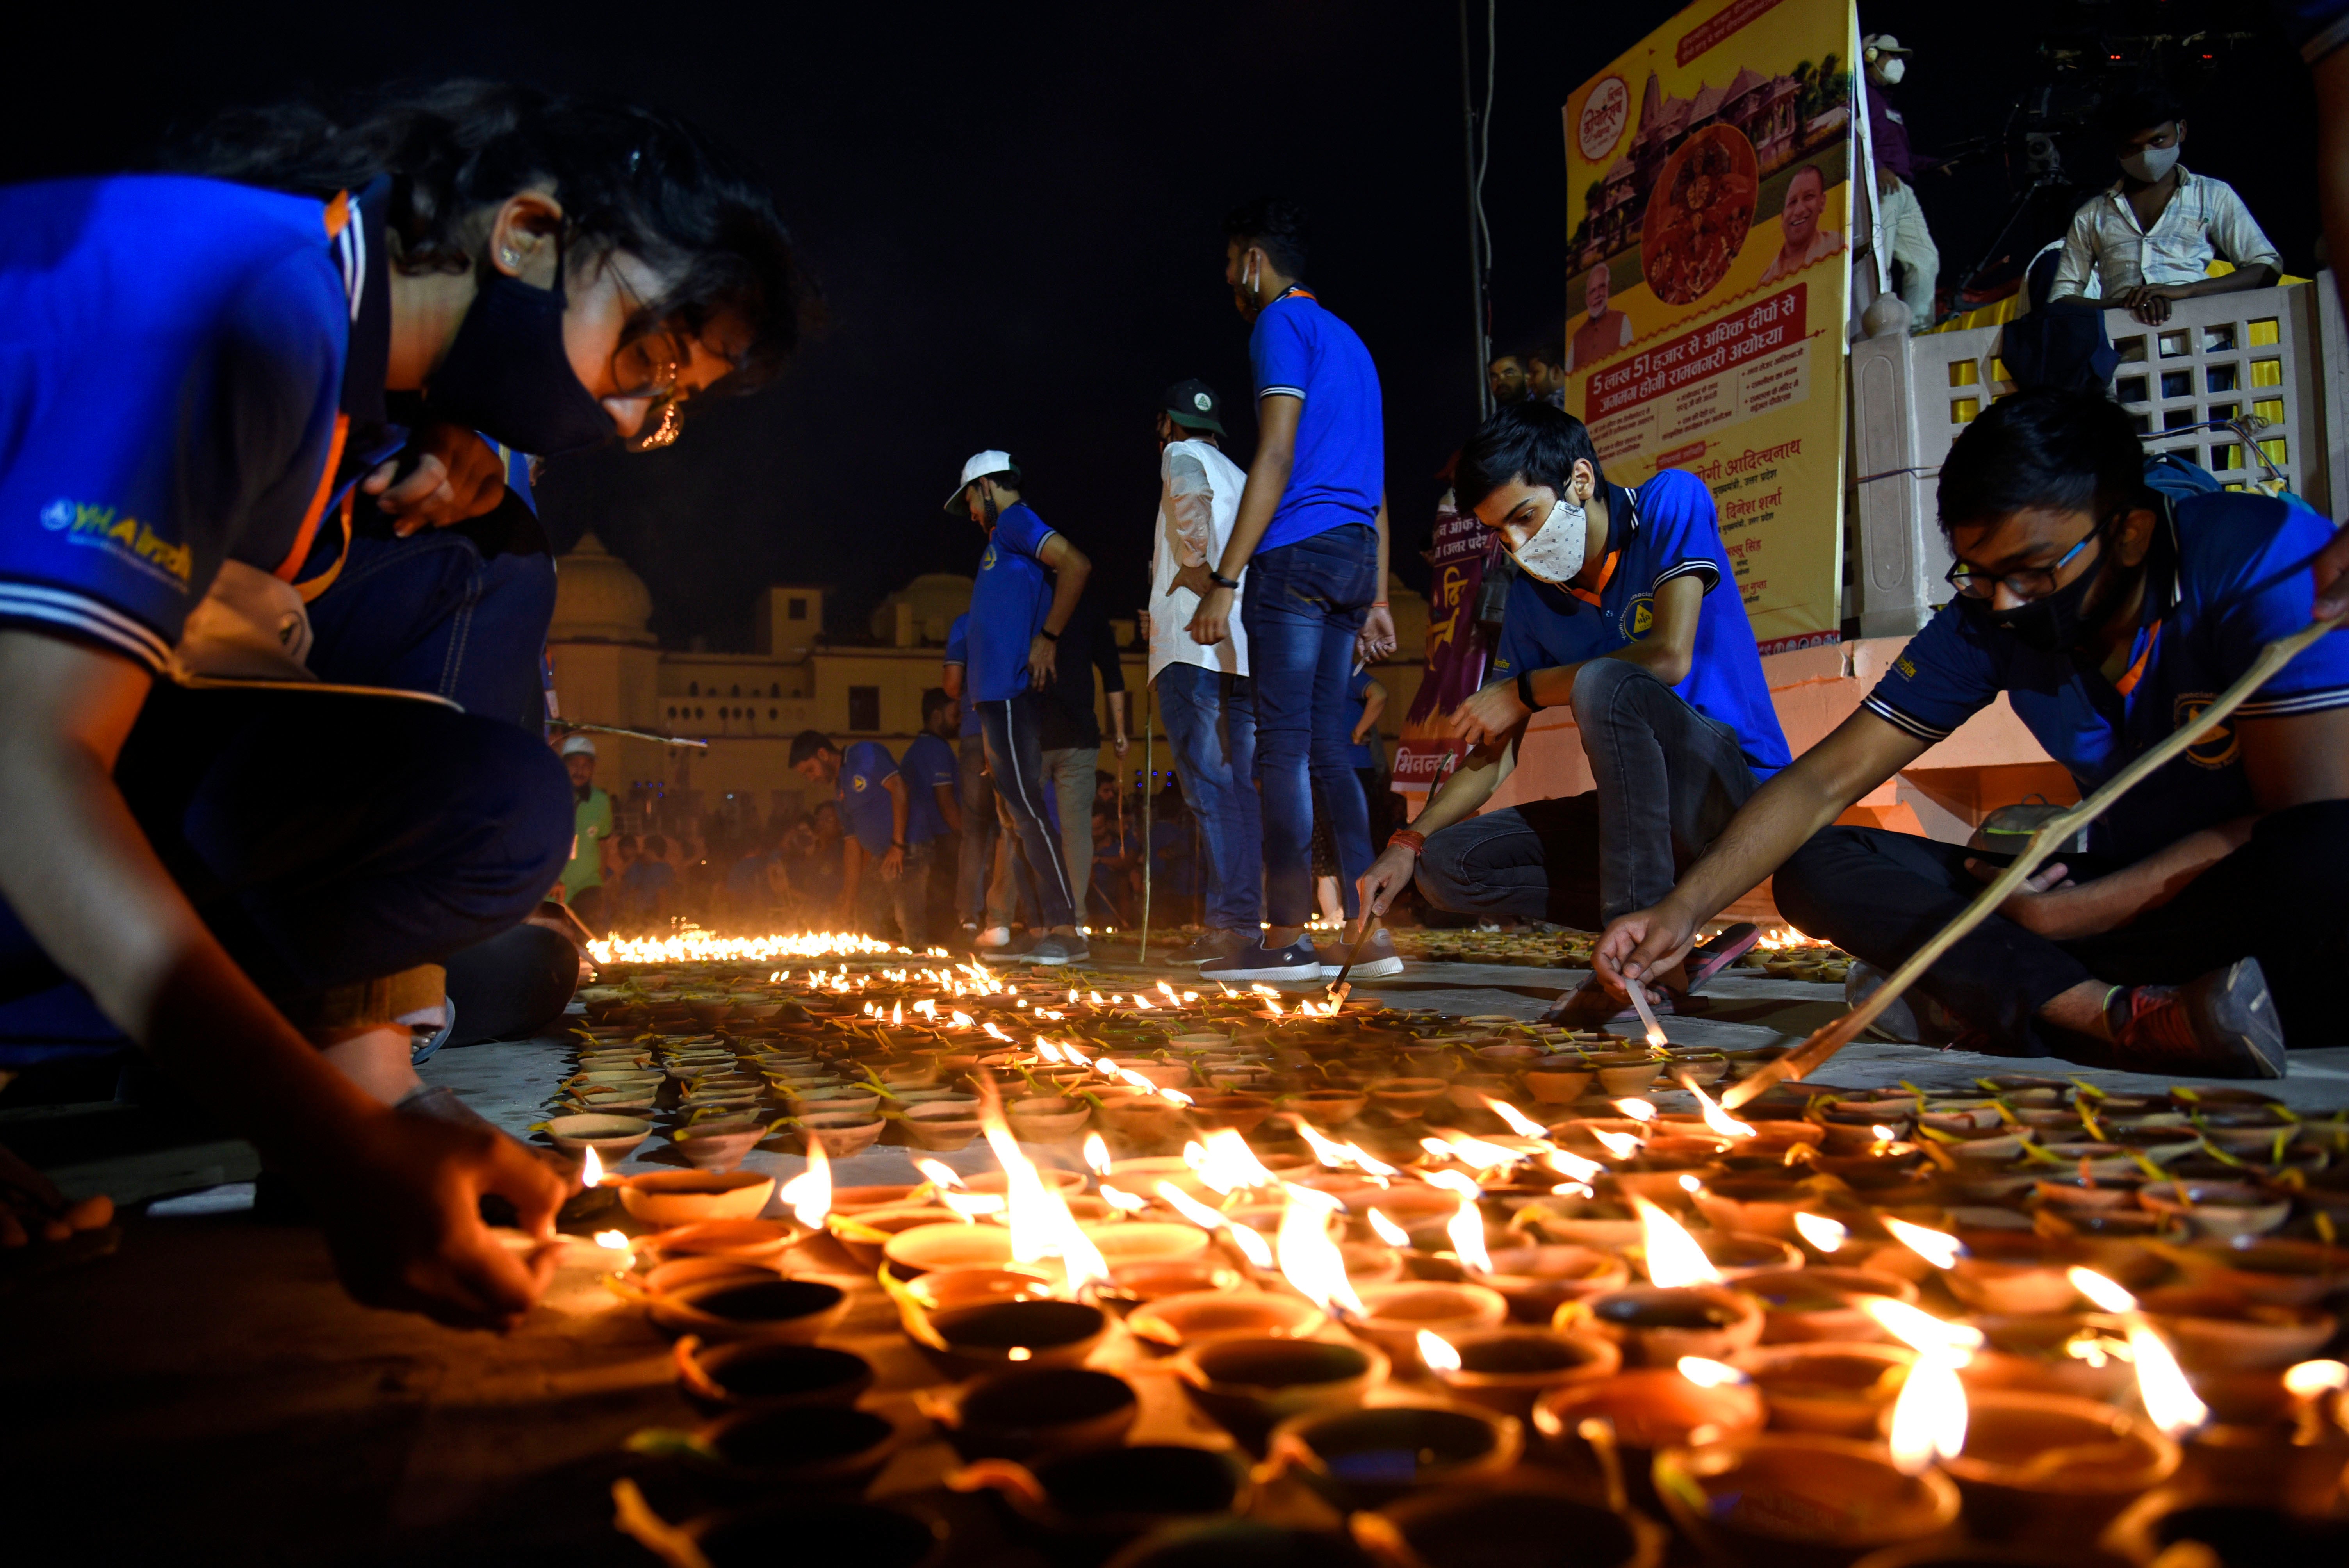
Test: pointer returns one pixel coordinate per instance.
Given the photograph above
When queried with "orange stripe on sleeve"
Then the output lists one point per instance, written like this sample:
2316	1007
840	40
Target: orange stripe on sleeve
308	533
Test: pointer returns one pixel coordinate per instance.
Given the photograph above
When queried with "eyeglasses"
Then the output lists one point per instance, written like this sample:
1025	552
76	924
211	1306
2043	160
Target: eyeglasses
2025	583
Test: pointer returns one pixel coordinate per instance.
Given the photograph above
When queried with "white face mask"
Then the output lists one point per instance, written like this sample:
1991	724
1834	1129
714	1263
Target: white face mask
1553	552
2150	163
1891	69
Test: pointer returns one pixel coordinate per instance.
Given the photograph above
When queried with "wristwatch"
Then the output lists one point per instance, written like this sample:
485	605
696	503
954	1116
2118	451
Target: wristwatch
1525	691
1220	581
1048	637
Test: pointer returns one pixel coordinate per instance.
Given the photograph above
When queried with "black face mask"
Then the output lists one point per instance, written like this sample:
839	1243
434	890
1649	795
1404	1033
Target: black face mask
508	376
2062	621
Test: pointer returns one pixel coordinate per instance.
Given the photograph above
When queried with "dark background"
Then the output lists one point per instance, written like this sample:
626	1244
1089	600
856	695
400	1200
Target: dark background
1014	213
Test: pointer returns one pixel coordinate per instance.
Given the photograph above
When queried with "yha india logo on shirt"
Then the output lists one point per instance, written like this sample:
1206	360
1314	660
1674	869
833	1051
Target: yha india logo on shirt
1639	615
101	528
2214	751
857	783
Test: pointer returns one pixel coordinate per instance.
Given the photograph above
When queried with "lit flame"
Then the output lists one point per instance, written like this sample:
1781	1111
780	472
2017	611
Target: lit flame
810	1192
1251	1243
998	1034
1309	1259
1048	1051
1928	1419
694	945
1190	1208
1517	1121
1573	1166
1936	1247
1720	1121
962	1020
1881	1133
1166	991
617	1242
2169	1401
1690	1183
590	1170
1387	1231
1466	1231
1096	1152
971	1205
1619	1145
1124	1201
1637	1110
1921	1330
1369	1166
1333	1154
1041	1226
2310	1378
941	1175
1437	1352
1822	1232
1674	1257
1706	1373
1226	1163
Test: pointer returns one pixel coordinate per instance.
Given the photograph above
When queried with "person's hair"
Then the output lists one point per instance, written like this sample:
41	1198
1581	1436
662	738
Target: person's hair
933	699
821	808
1103	776
2063	451
628	838
1505	354
1811	169
2140	106
1275	225
1005	479
656	846
628	178
1532	440
807	742
1551	353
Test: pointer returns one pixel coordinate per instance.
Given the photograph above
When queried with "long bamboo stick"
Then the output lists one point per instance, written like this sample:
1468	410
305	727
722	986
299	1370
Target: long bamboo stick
1814	1052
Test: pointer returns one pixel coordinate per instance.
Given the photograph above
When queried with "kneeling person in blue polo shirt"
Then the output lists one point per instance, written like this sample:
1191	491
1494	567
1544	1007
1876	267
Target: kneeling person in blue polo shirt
874	808
2198	933
1627	611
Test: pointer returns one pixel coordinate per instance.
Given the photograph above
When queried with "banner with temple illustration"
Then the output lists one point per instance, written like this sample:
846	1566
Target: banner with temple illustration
1458	648
1710	257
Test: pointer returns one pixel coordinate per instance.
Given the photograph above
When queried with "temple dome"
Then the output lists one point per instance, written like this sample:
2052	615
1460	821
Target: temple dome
597	599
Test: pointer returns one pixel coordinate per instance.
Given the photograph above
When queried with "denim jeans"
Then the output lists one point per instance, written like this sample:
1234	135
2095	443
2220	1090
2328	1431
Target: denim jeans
1013	755
429	613
1211	724
975	855
1668	780
2282	898
1068	775
1303	608
314	871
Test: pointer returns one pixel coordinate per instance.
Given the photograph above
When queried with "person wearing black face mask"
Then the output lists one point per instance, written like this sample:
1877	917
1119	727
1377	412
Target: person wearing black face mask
2200	933
254	879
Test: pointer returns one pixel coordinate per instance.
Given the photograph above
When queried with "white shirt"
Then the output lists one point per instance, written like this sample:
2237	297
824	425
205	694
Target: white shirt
2204	217
1198	501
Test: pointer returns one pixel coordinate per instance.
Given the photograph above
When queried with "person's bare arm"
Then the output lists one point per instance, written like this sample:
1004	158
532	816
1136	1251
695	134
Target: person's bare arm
1862	752
951	680
1377	638
398	1194
949	806
900	803
1069	587
1668	652
1374	705
453	476
1268	480
852	876
1117	722
1460	797
2150	302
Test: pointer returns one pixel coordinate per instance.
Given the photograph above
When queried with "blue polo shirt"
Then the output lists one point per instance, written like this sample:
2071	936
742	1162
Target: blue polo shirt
1300	350
958	653
170	381
1007	606
865	809
928	762
2229	573
1664	529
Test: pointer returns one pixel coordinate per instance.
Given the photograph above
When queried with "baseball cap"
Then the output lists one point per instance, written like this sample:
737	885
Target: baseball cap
1194	406
978	466
575	745
1877	44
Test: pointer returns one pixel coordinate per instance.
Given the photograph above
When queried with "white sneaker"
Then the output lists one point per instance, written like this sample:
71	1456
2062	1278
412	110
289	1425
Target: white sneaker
994	936
1378	958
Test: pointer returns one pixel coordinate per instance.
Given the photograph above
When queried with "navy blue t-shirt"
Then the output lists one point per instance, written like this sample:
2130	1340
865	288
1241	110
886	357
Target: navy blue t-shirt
2229	574
864	808
958	653
1007	606
1664	529
927	763
1340	474
170	376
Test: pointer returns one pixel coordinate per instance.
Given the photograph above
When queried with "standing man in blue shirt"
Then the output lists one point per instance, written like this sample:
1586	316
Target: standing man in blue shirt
1029	579
1313	530
933	811
2201	932
1627	610
873	809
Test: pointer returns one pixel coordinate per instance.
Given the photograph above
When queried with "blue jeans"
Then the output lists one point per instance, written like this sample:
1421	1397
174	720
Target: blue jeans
1304	606
314	871
1211	723
429	613
1013	755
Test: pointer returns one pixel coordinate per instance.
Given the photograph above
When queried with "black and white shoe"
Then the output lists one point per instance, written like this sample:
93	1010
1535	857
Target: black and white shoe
1378	959
1297	960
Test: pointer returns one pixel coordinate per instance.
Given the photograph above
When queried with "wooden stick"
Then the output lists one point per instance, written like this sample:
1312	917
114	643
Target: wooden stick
1814	1052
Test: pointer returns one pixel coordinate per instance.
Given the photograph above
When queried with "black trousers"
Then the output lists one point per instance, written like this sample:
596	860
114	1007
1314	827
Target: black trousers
2282	898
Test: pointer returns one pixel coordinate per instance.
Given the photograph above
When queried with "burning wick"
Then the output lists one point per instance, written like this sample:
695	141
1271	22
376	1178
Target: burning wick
1720	1121
1096	1153
1826	1235
2169	1401
1673	1256
1709	1374
1941	1249
810	1192
940	1174
1387	1231
1119	1199
1517	1121
2310	1378
1437	1352
1637	1110
1928	1421
590	1170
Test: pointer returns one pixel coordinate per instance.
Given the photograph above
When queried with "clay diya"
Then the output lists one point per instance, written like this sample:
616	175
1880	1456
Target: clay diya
1365	1458
2273	1269
864	1236
1822	1304
1327	1108
2216	1211
667	1198
1537	1280
842	1133
1655	1326
1030	1411
1243	1113
1799	1499
613	1138
991	1336
923	1249
856	1199
1170	1323
1147	1240
802	1445
1082	1507
1475	1526
946	1288
1247	1386
1406	1098
717	1377
1042	1118
1394	1315
1507	1369
1841	1390
942	1126
719	1143
1133	1284
1554	1082
2042	1467
1756	1205
2076	1353
725	1309
2215	1330
747	1241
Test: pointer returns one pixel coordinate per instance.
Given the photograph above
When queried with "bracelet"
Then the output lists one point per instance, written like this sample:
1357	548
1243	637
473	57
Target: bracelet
1416	842
1378	604
1047	636
1220	581
1525	691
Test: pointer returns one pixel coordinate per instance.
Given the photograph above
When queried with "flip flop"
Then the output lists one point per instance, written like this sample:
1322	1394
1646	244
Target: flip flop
1569	1008
1723	951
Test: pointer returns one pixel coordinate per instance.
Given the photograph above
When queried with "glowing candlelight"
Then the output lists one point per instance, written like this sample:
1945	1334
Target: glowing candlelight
1637	1110
2310	1378
1720	1121
1387	1231
1437	1353
1309	1260
590	1170
1119	1199
2169	1401
1673	1256
1936	1247
1826	1235
940	1174
1619	1145
1226	1163
1517	1121
1096	1153
810	1192
1707	1373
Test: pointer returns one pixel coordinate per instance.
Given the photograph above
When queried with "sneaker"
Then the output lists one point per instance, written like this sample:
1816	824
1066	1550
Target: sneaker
1056	950
1912	1019
2223	1024
1211	944
1711	957
1378	958
1297	960
995	937
1591	1005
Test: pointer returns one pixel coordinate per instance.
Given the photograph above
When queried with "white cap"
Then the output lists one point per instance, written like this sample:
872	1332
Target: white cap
978	466
1877	44
575	745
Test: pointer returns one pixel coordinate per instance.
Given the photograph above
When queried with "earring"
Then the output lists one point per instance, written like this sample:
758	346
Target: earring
510	258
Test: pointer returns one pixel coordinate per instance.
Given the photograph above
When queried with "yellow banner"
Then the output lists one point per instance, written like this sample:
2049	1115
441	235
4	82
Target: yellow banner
1708	172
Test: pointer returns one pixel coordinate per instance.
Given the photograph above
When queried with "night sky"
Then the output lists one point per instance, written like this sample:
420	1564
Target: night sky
1014	214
